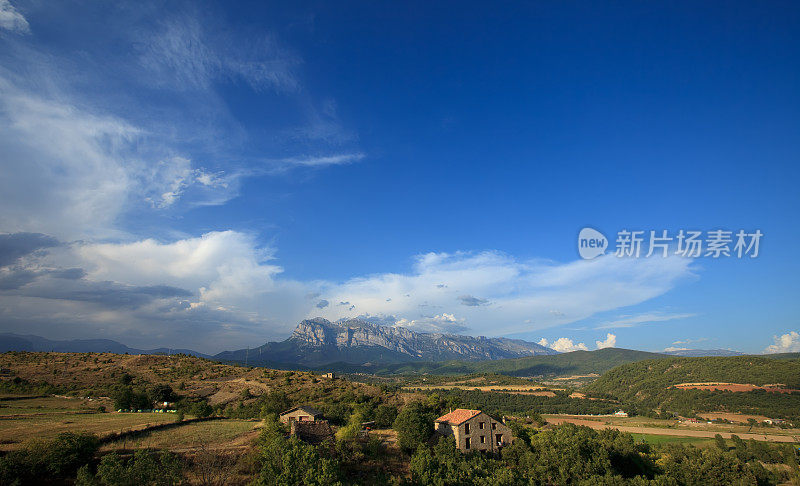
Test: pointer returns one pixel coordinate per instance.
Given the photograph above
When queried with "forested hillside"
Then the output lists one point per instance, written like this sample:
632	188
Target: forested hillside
574	363
651	384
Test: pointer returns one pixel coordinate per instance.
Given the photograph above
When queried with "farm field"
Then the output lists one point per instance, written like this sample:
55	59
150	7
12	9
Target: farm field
654	439
41	418
646	426
215	434
518	389
734	387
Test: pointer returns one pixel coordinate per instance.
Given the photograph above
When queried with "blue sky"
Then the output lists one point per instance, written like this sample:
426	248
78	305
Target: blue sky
205	175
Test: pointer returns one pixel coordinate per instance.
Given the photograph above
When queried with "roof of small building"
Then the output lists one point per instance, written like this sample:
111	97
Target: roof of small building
458	416
309	410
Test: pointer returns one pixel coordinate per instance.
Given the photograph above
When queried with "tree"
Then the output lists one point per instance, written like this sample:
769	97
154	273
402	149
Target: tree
351	430
720	442
290	461
274	402
146	467
385	416
57	458
161	393
414	426
201	409
127	399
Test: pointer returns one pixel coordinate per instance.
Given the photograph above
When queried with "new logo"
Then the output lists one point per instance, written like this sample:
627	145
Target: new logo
591	243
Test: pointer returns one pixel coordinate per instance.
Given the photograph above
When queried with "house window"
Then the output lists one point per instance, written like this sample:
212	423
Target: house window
466	443
466	428
494	426
480	425
483	439
499	439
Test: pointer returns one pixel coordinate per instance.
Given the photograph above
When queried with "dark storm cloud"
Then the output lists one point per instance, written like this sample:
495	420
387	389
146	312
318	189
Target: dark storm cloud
115	295
16	278
68	273
16	245
472	301
13	278
70	287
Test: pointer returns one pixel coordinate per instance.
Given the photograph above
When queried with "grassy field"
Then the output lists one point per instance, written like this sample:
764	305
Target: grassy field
663	439
212	435
34	418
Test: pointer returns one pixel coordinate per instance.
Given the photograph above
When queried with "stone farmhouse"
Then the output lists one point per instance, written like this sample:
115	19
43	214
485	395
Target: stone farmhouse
474	430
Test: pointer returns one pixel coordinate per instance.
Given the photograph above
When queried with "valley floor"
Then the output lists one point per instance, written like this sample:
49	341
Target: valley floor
672	428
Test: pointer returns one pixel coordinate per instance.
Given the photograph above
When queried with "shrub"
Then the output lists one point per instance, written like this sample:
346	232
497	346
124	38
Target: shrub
146	467
57	458
414	426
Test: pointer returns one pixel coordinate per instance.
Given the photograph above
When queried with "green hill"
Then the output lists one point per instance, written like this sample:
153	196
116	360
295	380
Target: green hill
574	363
649	384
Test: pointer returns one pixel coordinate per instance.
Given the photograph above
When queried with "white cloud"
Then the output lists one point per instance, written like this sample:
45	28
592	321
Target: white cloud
516	296
211	292
11	19
223	284
63	171
786	343
609	342
563	345
183	55
690	341
635	320
321	161
673	348
441	323
71	173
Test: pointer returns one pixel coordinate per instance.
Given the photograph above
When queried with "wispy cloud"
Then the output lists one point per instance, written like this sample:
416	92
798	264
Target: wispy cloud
11	19
690	341
320	160
522	293
185	55
636	320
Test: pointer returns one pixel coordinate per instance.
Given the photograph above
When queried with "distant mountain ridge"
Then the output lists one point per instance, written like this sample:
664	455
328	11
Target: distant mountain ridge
586	363
27	342
318	341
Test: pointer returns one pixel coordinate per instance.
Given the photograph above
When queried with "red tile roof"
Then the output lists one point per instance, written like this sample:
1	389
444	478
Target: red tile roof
458	416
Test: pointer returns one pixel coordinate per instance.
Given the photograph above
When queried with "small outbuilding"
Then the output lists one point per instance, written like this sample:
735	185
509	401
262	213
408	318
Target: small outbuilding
302	413
312	432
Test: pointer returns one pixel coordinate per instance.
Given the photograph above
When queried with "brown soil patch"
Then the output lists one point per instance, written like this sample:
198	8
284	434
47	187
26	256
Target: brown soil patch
733	417
734	387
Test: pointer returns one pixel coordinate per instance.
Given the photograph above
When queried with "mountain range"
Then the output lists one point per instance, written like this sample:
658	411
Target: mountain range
27	342
318	341
357	345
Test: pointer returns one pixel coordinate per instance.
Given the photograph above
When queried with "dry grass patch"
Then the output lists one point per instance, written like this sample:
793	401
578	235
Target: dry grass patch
214	434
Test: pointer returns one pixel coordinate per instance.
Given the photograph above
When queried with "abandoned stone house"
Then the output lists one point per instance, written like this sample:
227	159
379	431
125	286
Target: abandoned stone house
302	413
314	432
474	430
